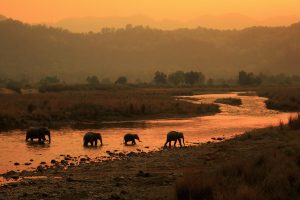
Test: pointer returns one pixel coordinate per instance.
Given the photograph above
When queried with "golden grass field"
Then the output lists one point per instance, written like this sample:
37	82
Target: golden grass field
22	110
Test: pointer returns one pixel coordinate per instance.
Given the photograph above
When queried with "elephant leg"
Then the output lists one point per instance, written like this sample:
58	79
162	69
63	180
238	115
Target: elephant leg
170	144
166	143
40	139
96	143
175	143
85	143
31	139
180	142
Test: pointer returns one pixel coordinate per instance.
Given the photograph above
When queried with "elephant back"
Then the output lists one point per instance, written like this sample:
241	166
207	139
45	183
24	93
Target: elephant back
172	135
129	136
91	136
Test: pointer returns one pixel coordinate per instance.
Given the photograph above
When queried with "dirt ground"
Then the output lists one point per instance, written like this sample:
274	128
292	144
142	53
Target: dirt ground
141	175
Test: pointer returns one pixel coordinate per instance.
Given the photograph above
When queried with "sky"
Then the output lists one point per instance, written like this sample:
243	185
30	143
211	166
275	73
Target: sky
35	11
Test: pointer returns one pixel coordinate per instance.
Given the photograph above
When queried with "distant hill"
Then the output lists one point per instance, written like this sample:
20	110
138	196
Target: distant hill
33	52
2	17
226	21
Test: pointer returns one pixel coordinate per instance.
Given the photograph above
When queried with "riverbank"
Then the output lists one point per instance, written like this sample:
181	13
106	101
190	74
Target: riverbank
155	175
83	109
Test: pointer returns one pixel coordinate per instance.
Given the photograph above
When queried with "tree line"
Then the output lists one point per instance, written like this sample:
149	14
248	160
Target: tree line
160	79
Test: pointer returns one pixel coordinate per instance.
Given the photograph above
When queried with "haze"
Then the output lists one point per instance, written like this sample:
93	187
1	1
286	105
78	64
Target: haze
52	11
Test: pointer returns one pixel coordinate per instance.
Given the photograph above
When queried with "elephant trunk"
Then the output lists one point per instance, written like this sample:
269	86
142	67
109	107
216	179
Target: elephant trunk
100	140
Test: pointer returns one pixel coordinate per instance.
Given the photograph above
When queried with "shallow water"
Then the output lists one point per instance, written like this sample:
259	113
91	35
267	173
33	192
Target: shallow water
231	121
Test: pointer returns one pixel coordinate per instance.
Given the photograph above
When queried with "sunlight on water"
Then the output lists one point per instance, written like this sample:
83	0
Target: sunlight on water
231	121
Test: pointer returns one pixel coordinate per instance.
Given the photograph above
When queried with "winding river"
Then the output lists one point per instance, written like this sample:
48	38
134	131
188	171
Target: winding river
233	120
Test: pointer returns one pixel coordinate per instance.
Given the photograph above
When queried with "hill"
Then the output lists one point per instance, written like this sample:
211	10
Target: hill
222	22
34	51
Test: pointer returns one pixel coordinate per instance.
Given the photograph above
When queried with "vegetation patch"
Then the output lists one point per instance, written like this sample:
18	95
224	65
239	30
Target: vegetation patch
229	101
51	109
283	99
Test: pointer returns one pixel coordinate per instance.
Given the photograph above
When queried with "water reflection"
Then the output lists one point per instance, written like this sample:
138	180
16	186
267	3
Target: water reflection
233	120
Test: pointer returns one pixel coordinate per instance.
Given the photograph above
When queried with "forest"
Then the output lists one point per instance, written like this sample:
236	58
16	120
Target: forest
36	51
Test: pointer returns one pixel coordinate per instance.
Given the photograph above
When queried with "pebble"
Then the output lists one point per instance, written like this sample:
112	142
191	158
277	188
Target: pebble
16	163
28	163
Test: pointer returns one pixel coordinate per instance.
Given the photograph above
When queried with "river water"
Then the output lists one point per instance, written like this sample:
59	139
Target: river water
233	120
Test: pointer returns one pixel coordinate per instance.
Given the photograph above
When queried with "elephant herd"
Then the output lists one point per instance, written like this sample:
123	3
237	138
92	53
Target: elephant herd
92	138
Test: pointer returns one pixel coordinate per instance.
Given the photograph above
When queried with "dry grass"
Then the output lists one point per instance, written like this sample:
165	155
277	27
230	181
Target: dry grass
284	99
266	166
18	110
229	101
271	175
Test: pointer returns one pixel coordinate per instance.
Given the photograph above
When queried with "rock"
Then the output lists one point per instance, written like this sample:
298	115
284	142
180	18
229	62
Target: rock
67	158
31	160
64	162
53	161
142	174
15	177
40	168
83	159
10	173
16	163
147	147
131	154
121	154
43	163
138	150
28	163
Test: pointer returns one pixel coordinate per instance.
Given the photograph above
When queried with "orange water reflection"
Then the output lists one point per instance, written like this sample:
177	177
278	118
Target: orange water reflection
232	121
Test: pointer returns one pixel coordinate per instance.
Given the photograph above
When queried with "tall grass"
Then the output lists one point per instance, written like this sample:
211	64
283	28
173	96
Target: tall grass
284	99
21	110
294	122
271	175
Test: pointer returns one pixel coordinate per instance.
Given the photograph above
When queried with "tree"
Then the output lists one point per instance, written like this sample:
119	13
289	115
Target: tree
92	80
160	78
176	78
122	80
193	78
50	80
248	79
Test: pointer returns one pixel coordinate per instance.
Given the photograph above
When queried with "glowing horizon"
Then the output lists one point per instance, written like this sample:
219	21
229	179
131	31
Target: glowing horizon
36	11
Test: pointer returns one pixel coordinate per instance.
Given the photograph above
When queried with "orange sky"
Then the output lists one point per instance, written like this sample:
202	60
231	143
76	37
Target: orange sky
53	10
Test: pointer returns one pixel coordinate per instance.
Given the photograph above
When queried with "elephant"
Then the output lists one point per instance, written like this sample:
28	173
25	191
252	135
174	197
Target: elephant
131	137
91	137
38	132
174	136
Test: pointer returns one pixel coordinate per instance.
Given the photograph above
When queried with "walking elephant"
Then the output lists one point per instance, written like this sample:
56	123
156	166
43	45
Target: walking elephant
131	137
39	133
92	138
174	136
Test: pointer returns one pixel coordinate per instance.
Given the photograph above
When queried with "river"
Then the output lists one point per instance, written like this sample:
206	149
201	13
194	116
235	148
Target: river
232	120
